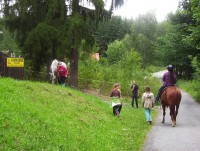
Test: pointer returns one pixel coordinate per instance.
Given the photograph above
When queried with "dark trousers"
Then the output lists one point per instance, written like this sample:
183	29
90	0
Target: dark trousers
134	98
61	80
117	109
160	92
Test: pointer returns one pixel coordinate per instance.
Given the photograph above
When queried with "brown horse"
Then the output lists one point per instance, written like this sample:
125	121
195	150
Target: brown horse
171	97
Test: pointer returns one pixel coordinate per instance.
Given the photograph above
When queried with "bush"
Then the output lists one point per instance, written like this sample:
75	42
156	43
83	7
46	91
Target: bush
97	75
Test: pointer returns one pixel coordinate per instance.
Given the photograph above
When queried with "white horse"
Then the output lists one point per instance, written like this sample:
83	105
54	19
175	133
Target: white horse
53	68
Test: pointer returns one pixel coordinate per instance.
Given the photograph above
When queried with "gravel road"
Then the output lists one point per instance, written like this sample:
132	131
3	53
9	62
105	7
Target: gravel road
185	136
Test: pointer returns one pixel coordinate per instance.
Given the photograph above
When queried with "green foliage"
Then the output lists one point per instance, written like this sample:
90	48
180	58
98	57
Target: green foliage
124	59
131	61
41	43
39	116
90	74
103	74
143	36
196	87
191	9
77	30
56	13
109	31
196	65
173	48
72	22
192	86
116	52
7	41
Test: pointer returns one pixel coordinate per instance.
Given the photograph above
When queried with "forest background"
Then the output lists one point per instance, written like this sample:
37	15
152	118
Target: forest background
41	31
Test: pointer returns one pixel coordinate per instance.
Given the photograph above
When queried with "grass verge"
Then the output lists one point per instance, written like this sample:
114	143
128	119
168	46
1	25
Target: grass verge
40	116
190	87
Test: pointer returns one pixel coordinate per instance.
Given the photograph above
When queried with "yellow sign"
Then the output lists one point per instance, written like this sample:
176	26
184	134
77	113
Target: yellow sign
15	62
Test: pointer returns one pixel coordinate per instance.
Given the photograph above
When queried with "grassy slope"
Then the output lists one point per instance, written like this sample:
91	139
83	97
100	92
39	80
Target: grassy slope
36	116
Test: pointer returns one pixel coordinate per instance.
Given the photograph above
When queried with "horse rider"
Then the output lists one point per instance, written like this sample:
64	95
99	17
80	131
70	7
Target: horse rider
169	79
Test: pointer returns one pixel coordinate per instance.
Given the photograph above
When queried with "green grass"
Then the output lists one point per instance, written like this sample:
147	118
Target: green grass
190	87
40	116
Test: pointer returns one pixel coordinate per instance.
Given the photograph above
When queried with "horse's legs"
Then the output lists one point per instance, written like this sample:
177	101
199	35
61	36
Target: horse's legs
163	120
173	115
52	80
177	107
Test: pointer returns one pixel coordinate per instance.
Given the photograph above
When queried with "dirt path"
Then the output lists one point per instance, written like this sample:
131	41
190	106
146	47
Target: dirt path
184	137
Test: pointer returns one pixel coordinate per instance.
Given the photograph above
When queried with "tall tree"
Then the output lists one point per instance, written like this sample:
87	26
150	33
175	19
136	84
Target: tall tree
54	28
80	28
174	48
143	35
114	29
191	9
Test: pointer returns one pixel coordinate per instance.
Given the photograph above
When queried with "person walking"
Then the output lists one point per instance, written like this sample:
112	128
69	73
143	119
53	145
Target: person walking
135	93
61	74
116	99
169	79
147	103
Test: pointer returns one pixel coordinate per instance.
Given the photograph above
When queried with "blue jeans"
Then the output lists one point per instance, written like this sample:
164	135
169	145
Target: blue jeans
147	112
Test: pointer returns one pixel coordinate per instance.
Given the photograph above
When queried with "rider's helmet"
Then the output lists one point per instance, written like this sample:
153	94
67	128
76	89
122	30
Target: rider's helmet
170	67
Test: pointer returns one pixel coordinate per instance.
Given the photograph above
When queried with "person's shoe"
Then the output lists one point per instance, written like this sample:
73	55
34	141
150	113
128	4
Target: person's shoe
150	122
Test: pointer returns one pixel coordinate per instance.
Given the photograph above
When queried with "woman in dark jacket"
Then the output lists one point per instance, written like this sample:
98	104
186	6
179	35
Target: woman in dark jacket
135	93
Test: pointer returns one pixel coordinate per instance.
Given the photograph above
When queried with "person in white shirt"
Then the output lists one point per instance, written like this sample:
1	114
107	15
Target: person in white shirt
147	103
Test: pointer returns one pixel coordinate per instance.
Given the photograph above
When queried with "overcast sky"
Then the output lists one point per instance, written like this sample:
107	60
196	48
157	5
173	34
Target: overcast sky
132	8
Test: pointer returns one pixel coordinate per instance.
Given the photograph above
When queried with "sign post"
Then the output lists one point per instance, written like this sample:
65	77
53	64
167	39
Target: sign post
15	62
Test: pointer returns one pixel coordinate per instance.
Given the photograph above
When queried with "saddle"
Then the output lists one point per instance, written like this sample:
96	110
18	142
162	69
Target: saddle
166	88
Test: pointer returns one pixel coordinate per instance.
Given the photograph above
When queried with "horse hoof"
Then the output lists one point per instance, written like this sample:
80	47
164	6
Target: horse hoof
174	124
162	122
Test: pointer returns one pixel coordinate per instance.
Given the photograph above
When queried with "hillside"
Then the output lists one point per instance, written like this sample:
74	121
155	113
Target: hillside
40	116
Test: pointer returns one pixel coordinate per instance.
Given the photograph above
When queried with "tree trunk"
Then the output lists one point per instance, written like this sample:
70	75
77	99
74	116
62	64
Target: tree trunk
74	69
74	53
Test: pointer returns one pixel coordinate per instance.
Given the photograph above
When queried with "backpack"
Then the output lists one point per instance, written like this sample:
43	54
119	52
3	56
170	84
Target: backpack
148	102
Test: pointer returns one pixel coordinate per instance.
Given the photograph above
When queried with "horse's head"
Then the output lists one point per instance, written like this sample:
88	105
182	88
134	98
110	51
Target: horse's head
54	65
53	69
